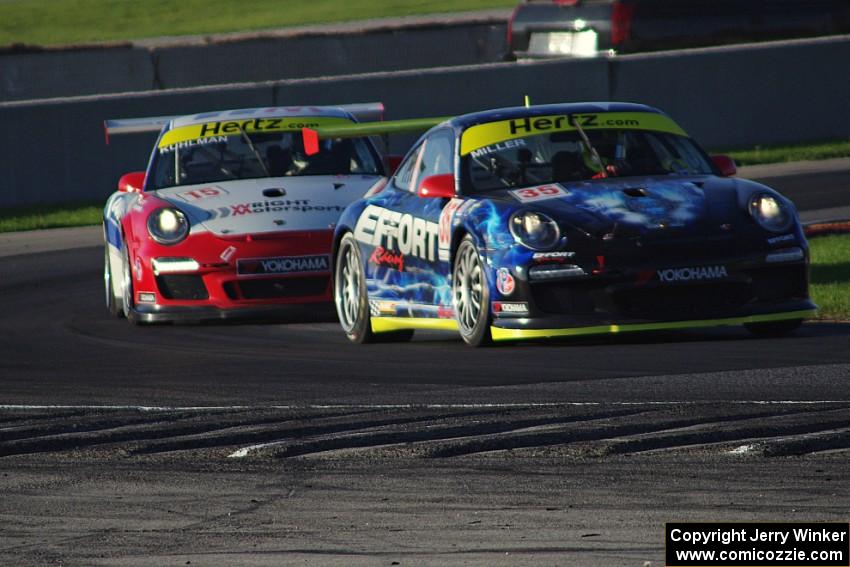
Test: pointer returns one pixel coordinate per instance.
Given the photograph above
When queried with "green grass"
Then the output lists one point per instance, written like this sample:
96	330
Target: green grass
58	22
830	284
781	154
37	217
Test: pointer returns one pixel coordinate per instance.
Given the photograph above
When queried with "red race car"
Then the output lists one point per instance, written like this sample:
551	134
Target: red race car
232	216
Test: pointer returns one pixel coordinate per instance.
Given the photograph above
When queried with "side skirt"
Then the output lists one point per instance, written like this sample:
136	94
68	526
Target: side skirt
500	334
389	324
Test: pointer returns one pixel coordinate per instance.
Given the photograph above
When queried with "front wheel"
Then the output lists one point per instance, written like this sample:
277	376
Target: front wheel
127	286
471	295
774	328
113	303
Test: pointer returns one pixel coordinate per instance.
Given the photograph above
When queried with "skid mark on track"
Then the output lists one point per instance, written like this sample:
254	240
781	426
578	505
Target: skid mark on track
586	430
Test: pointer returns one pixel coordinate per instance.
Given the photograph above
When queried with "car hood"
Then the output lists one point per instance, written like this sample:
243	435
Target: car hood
253	206
639	205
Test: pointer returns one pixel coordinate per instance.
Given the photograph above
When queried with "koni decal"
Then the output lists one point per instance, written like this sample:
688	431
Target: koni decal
395	231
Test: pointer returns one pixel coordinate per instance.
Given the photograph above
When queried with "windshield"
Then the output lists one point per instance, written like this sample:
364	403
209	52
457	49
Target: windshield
249	155
512	161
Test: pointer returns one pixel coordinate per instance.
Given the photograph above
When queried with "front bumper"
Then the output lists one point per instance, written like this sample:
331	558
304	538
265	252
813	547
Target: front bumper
650	299
296	313
551	329
217	278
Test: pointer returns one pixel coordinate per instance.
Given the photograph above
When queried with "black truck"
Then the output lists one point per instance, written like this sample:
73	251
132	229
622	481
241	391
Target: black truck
588	28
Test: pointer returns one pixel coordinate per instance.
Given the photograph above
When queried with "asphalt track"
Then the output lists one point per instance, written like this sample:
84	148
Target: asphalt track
270	443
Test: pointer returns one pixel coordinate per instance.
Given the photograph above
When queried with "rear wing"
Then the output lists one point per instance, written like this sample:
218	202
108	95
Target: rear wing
362	112
365	112
134	125
312	136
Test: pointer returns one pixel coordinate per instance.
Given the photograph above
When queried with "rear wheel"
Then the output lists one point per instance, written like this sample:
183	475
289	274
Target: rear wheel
352	303
471	295
774	328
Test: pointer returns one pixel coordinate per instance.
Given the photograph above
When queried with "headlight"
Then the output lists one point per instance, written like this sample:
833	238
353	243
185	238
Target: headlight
770	213
535	230
168	226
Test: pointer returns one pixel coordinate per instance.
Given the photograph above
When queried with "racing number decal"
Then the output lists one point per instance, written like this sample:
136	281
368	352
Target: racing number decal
447	216
203	193
539	193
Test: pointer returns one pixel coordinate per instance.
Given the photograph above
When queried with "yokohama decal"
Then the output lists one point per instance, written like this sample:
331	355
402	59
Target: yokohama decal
700	273
283	265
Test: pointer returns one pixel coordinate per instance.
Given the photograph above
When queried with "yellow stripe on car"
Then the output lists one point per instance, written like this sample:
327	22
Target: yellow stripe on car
500	334
387	324
249	125
483	135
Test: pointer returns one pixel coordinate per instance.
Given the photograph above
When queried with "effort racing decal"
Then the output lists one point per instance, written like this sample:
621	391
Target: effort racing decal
397	232
387	258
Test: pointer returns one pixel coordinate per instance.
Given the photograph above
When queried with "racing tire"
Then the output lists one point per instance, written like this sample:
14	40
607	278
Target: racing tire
774	328
113	304
127	286
351	301
471	295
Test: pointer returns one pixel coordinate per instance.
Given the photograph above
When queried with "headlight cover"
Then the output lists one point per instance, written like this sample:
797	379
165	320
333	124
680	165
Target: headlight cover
534	230
770	213
168	225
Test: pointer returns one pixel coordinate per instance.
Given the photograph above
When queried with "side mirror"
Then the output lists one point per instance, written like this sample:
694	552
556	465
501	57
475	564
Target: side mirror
726	165
132	182
393	161
442	185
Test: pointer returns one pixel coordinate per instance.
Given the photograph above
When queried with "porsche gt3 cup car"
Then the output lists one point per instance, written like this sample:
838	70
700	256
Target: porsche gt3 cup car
565	220
232	218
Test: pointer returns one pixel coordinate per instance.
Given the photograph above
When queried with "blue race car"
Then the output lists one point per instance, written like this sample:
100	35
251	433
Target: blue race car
566	220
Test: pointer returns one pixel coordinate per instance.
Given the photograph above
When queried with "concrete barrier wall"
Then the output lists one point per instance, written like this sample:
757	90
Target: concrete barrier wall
58	147
75	72
768	93
260	57
723	96
270	58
